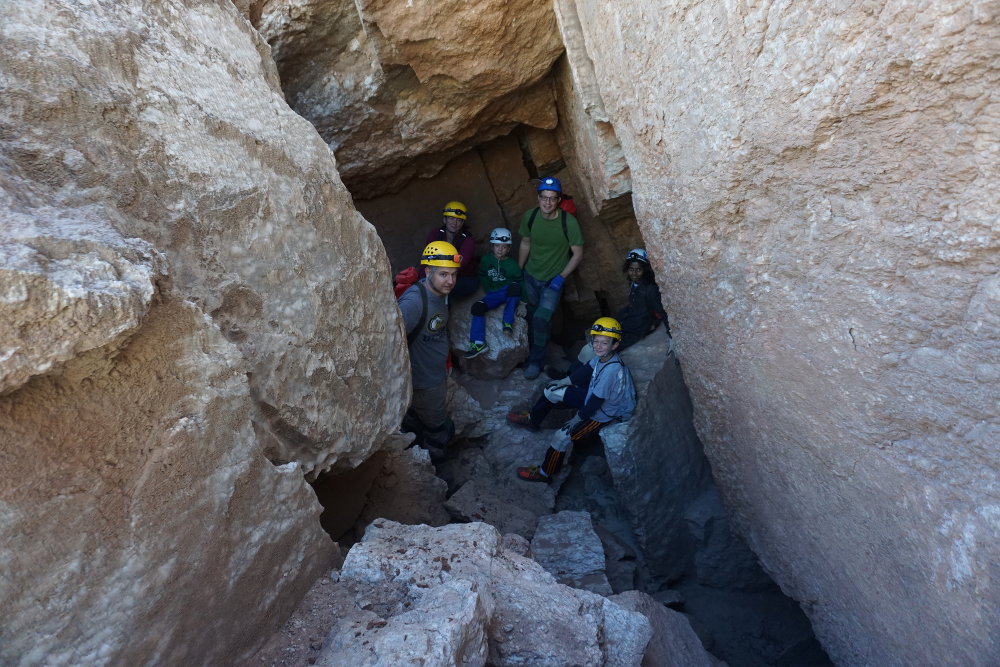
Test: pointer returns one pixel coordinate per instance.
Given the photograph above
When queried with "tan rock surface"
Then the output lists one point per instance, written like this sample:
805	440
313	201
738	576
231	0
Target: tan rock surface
188	145
385	82
70	284
585	132
819	186
138	512
159	198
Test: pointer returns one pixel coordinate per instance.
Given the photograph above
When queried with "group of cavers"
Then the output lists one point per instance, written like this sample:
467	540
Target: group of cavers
598	386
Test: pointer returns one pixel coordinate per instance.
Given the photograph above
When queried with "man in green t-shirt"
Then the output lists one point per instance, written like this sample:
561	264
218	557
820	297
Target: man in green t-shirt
551	249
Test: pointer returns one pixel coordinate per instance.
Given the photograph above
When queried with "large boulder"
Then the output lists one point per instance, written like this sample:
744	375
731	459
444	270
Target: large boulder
469	586
656	459
385	82
182	295
183	140
138	511
674	642
505	351
817	185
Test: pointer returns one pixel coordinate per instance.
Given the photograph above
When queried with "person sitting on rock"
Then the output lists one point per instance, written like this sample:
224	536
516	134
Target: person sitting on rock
500	277
602	391
455	230
644	311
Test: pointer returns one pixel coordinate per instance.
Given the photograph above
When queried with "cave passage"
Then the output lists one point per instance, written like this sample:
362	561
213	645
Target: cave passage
711	576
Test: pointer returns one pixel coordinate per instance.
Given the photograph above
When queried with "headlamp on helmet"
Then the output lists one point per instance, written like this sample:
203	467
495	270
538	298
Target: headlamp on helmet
550	183
455	209
441	253
637	254
501	235
607	326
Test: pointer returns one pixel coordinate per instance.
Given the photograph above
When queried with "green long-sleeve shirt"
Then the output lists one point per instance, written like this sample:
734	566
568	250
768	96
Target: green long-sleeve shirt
495	274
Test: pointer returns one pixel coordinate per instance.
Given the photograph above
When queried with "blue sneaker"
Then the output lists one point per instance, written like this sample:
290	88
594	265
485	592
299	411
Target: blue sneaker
532	371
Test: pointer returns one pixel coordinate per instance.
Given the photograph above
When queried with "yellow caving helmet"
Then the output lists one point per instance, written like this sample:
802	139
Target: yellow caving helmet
607	326
456	209
441	253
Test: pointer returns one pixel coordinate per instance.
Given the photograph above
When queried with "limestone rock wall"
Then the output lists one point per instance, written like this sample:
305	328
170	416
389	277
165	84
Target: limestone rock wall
818	186
186	289
138	514
193	150
386	82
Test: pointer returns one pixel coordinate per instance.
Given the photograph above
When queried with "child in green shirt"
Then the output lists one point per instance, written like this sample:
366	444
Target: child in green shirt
500	277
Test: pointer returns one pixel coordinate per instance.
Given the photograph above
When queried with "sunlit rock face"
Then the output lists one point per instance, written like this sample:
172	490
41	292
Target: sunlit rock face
818	187
186	292
188	145
385	82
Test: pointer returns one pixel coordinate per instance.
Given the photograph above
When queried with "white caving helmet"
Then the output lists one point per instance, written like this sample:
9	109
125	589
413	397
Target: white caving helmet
501	235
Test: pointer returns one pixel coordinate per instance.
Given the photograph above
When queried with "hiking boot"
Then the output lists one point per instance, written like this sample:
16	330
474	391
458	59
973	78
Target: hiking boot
508	329
532	474
531	372
475	349
522	419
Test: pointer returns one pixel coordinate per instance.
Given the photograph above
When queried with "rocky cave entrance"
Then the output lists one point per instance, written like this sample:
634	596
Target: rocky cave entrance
671	537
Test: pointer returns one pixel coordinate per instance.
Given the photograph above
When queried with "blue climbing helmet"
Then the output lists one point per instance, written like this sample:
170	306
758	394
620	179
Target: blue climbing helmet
550	183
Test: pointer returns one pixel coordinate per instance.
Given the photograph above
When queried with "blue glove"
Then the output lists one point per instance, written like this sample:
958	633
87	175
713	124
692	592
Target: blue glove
557	282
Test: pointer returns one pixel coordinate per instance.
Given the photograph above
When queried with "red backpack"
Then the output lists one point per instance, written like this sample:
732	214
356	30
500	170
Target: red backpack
567	204
404	279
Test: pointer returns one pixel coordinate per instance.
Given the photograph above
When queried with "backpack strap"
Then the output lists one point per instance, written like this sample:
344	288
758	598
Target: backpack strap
412	336
534	214
531	220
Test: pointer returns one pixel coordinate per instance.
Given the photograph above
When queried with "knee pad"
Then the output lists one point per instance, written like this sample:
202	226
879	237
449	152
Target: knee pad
479	309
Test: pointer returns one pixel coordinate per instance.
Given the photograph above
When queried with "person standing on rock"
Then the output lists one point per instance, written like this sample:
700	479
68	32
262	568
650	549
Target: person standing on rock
425	314
454	229
500	278
551	249
601	390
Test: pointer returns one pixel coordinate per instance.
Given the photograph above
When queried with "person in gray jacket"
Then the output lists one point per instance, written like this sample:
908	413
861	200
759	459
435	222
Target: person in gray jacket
425	314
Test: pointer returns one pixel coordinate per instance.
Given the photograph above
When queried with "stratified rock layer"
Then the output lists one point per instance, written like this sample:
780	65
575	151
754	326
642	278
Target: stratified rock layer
818	186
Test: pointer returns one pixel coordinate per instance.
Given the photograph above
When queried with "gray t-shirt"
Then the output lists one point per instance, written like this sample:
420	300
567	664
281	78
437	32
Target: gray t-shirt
429	349
612	381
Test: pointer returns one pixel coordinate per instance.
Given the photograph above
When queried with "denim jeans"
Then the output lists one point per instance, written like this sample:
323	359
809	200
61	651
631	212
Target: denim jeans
542	303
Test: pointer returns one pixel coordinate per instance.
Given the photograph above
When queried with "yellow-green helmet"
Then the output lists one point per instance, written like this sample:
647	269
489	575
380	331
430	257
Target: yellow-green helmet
441	253
456	209
607	326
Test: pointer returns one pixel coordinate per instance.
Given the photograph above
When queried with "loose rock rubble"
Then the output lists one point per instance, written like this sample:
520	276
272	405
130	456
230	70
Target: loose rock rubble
484	603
